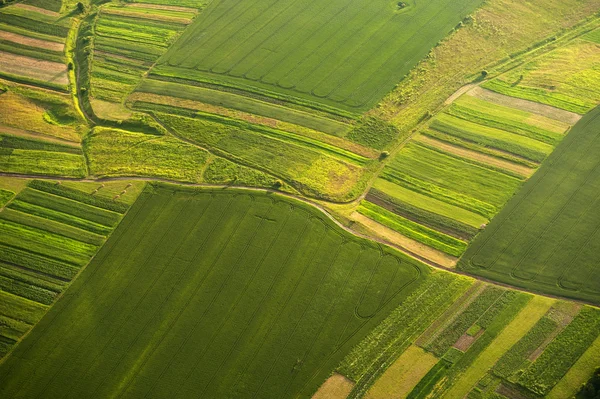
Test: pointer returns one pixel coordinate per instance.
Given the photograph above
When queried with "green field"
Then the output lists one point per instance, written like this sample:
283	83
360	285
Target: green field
212	296
339	54
545	238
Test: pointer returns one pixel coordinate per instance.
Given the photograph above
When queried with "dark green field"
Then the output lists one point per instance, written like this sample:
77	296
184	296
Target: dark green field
547	238
344	54
211	294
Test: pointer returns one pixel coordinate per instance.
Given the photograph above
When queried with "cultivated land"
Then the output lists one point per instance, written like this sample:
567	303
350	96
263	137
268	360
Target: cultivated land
454	176
545	237
449	131
343	55
211	293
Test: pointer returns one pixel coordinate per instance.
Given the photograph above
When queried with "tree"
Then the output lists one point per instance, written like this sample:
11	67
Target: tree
80	7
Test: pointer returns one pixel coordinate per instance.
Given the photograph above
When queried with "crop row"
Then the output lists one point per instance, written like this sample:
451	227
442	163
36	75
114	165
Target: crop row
499	122
77	195
413	230
490	137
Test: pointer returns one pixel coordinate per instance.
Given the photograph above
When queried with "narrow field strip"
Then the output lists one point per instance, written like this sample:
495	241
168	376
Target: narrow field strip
477	156
32	42
526	105
246	104
43	249
46	71
413	246
39	10
145	101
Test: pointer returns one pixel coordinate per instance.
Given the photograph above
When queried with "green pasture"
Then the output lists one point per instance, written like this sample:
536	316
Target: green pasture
546	236
310	170
339	54
212	293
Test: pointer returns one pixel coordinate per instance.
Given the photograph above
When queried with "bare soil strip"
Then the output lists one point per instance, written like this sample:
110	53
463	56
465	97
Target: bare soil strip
477	156
413	246
36	69
525	105
37	9
336	387
466	340
36	136
29	41
162	7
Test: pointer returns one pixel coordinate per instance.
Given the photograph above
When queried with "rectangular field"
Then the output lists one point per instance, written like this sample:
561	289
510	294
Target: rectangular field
218	293
337	54
546	238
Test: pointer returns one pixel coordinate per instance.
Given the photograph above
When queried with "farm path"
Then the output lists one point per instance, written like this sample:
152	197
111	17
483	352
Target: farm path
306	201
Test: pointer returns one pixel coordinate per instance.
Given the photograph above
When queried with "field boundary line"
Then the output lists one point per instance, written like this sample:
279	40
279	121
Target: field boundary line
321	209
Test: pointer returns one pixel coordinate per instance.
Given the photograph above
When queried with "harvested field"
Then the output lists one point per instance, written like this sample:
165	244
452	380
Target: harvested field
336	387
30	41
45	71
39	10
